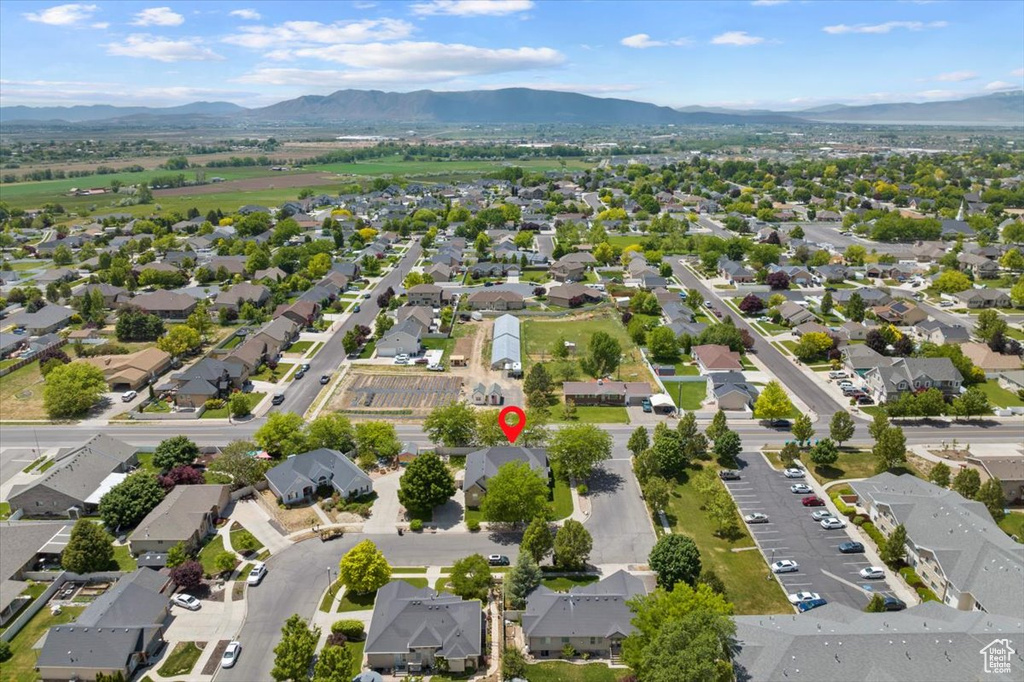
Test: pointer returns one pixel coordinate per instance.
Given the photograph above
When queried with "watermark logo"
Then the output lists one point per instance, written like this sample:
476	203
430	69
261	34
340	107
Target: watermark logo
997	655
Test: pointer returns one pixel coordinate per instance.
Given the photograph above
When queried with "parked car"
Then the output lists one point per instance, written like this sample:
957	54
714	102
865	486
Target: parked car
798	597
299	373
800	488
186	601
277	399
821	515
325	379
421	361
729	475
354	355
851	547
230	655
304	367
756	517
838	375
646	405
832	523
891	603
805	606
497	560
256	574
366	295
357	309
780	424
129	396
865	400
488	284
812	501
872	573
845	384
794	472
435	368
785	566
401	359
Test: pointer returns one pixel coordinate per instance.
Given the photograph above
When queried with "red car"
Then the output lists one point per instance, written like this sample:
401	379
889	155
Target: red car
812	501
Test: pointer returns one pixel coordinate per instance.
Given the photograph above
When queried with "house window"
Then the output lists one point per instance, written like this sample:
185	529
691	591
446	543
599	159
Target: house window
593	641
565	640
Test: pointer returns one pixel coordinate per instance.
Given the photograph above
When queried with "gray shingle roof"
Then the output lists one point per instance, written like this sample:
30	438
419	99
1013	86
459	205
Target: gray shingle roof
79	471
405	616
179	514
300	471
484	464
597	610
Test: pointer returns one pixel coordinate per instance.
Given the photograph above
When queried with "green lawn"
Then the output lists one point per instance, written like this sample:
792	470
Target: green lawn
561	499
565	583
689	394
316	348
146	463
368	351
241	536
328	599
208	554
743	573
560	671
408	569
225	412
999	396
1013	524
536	276
594	414
773	328
181	660
358	602
125	561
21	666
686	369
5	511
415	582
851	464
36	462
539	337
357	655
265	373
474	514
300	347
445	345
395	165
235	340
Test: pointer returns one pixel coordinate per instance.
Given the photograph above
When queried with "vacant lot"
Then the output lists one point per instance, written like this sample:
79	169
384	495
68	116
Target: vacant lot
539	337
21	394
377	391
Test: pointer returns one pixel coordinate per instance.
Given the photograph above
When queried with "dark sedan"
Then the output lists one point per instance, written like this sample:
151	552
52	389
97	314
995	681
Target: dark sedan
851	548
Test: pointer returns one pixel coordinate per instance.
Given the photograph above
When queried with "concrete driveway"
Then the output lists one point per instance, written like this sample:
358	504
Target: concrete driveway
385	511
619	523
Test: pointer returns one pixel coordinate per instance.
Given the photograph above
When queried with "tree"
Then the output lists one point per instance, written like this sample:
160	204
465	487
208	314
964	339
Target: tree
879	424
603	355
239	405
894	550
128	502
752	304
890	449
694	299
721	509
71	390
719	425
181	475
675	559
951	282
967	482
282	434
376	441
1017	293
234	460
727	446
179	340
382	325
876	605
990	494
177	555
364	569
426	483
89	549
773	403
930	403
293	655
827	303
515	494
572	546
175	451
662	343
575	450
803	429
989	324
513	664
334	664
939	475
522	579
135	325
825	453
333	431
638	441
777	280
471	577
225	562
657	492
538	385
813	346
200	320
453	425
538	541
188	575
667	452
855	307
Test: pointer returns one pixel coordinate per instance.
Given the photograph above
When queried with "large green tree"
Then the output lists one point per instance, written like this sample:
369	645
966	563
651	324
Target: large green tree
603	355
538	541
515	494
773	403
638	440
727	447
376	440
890	450
426	483
364	569
572	546
71	390
293	655
175	451
990	493
894	550
803	429
89	549
282	434
662	343
471	577
967	482
235	461
334	664
522	579
333	431
675	559
452	425
841	427
575	450
128	502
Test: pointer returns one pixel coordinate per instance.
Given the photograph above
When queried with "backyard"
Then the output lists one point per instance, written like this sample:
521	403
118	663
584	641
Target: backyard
539	337
560	671
689	394
181	660
999	396
21	394
1013	524
21	666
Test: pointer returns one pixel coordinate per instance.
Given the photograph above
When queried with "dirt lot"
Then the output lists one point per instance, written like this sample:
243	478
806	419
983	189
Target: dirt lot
377	391
284	180
474	343
21	394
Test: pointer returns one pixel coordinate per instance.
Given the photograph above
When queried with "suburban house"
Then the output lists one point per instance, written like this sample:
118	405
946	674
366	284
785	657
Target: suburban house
484	395
277	335
592	619
46	320
422	315
1008	468
859	358
484	464
411	626
76	481
924	643
986	358
25	546
132	371
112	295
731	391
169	305
952	543
116	633
439	272
240	294
496	300
572	295
187	514
505	349
979	266
296	479
886	382
571	266
795	314
940	333
735	271
716	358
870	295
302	313
404	337
601	392
208	378
274	274
425	294
984	298
901	313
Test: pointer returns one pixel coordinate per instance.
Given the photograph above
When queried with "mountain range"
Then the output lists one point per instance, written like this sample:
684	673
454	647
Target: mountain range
524	106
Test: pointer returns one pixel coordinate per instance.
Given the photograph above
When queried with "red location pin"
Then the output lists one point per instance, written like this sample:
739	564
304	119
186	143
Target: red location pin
512	431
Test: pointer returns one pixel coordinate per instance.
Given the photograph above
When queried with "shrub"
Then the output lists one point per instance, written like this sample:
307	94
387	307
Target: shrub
214	404
5	651
568	652
858	521
416	525
582	489
352	629
327	505
473	525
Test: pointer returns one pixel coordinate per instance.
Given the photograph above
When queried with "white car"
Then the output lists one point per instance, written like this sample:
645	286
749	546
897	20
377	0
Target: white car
230	654
128	396
435	368
785	566
800	489
832	524
256	573
794	472
401	359
872	573
756	517
186	601
821	515
845	384
798	597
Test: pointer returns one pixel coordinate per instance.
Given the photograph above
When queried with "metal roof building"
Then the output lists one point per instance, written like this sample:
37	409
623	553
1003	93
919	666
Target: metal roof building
505	349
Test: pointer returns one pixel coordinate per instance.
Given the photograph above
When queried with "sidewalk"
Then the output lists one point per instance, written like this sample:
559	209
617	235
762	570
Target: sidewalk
256	521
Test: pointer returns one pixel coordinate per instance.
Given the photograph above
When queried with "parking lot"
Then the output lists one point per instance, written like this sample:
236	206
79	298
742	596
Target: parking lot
792	534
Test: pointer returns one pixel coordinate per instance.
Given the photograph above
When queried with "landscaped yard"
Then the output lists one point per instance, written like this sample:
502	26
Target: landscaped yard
240	538
536	276
742	572
21	666
689	395
5	511
208	554
851	464
181	660
368	351
21	394
1013	524
560	671
561	499
224	412
300	347
358	602
125	561
566	582
999	396
357	655
265	374
594	414
234	341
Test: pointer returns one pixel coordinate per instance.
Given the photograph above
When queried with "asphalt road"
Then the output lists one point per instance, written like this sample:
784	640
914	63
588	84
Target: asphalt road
791	533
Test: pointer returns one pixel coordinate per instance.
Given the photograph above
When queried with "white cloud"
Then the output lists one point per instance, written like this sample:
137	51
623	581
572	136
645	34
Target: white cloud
471	8
768	3
145	46
299	33
332	79
641	41
1017	72
1000	85
63	15
100	24
739	38
247	14
442	58
158	16
887	27
364	5
956	76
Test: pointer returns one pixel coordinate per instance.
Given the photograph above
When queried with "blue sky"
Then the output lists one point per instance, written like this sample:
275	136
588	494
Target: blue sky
784	55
